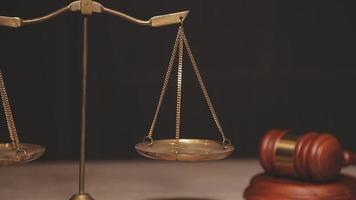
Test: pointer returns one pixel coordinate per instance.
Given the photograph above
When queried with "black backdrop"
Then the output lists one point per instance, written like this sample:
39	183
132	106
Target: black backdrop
272	63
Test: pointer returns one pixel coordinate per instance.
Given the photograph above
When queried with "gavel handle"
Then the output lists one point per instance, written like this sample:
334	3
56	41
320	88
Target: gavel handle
349	158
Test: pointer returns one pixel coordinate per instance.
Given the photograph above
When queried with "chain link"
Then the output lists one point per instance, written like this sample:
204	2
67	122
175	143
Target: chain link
203	88
8	115
165	84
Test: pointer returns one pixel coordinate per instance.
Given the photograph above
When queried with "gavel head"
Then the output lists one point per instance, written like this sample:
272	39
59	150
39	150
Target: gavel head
311	157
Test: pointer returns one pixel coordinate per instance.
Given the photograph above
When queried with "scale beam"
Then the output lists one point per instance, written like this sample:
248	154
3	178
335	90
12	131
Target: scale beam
87	7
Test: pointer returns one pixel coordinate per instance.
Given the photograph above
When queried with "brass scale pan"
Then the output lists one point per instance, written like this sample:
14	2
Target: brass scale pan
184	149
187	150
15	152
10	155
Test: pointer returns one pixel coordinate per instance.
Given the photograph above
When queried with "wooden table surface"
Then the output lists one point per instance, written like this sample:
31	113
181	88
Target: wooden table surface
131	180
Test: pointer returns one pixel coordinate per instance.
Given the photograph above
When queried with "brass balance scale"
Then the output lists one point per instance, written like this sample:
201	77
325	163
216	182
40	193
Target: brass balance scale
165	149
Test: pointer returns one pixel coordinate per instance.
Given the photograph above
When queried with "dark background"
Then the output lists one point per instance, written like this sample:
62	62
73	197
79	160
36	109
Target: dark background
267	64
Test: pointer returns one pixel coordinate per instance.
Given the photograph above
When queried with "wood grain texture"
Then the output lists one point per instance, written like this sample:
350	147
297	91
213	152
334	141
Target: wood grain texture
263	187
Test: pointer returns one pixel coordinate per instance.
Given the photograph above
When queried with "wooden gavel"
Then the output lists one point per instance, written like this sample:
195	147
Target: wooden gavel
311	156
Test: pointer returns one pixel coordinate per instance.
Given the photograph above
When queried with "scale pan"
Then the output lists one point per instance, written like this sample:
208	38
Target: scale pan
10	156
187	150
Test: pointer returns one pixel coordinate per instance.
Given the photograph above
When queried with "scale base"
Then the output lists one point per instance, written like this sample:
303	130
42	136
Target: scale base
264	187
84	196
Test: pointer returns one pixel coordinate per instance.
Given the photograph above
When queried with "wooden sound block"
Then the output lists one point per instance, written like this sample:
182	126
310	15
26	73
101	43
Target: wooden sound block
264	187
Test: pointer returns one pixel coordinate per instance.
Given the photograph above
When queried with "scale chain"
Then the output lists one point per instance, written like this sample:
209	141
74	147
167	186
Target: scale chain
179	85
8	115
204	90
165	84
181	41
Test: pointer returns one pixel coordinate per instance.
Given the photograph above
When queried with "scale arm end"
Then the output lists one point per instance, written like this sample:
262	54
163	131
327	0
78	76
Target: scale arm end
168	19
13	22
156	21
